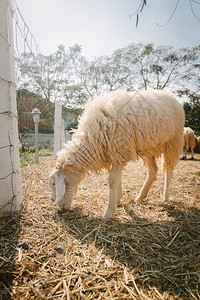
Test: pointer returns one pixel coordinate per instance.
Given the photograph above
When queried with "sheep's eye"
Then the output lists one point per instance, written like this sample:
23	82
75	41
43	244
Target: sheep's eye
53	183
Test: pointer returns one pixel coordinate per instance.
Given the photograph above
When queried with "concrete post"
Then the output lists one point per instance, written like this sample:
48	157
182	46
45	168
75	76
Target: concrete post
10	175
57	127
63	139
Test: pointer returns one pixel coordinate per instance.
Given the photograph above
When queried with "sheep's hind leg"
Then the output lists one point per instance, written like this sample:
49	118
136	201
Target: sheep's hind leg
168	179
183	154
192	151
115	191
119	192
151	177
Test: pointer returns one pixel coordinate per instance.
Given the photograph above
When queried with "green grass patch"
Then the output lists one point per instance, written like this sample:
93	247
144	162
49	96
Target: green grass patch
27	157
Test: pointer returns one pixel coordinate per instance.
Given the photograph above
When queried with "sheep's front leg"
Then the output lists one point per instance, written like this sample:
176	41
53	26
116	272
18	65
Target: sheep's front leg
168	179
115	191
192	151
151	177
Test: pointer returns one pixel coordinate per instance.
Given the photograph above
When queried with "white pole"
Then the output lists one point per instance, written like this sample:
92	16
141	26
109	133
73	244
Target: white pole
63	138
36	143
57	127
10	174
36	117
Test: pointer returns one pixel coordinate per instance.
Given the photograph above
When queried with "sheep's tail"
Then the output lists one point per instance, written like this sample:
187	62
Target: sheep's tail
172	152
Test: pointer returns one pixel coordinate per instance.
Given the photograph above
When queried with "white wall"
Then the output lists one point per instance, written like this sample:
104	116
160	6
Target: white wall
45	139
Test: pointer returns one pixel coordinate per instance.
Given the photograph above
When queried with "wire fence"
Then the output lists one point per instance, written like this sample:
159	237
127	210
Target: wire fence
23	36
16	42
28	97
20	95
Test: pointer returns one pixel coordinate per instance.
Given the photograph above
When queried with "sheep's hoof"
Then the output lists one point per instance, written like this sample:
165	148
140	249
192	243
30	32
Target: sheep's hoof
165	199
63	211
138	201
109	214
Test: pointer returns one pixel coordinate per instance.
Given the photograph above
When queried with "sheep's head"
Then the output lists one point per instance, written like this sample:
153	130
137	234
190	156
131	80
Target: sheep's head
64	187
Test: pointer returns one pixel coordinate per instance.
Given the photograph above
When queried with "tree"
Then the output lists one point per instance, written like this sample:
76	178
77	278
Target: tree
70	77
137	66
115	71
76	91
159	67
44	75
192	110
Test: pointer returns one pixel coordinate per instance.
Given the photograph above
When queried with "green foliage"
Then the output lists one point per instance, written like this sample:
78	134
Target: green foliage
192	109
27	156
45	152
192	113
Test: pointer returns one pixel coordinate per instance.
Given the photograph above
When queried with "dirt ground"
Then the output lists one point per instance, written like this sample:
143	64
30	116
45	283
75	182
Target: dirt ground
149	251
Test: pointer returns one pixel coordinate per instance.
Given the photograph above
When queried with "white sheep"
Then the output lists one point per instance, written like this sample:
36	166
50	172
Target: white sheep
114	129
189	141
197	148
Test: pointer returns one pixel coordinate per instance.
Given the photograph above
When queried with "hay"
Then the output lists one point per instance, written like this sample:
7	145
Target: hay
149	251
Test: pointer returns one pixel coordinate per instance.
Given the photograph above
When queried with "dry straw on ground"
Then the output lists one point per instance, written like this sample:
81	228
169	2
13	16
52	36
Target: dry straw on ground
149	251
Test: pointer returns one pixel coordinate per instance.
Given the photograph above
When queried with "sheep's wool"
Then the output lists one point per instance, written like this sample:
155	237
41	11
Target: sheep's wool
121	126
189	138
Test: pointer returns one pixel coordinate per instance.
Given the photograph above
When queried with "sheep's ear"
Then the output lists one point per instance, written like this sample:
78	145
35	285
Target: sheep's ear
60	187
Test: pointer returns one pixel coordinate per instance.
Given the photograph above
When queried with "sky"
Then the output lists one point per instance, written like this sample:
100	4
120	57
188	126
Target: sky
102	26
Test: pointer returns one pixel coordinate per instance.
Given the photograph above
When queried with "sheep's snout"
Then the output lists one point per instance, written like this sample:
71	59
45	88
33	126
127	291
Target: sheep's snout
61	193
52	183
57	183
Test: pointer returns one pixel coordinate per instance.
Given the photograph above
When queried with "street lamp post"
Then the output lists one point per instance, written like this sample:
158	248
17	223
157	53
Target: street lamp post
36	117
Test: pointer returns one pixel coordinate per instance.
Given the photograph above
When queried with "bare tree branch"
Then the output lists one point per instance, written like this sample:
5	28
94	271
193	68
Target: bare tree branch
192	9
144	3
171	15
138	11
